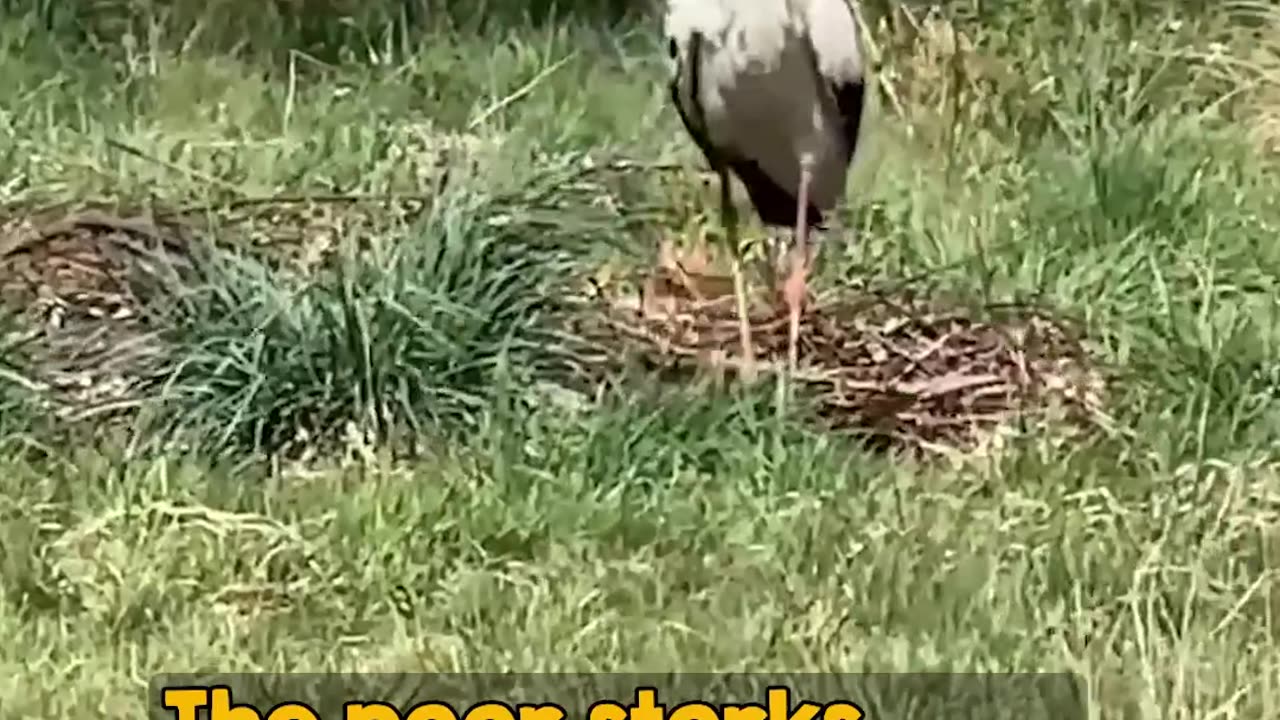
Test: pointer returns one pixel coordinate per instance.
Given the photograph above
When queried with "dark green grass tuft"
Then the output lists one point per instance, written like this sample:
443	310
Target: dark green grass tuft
417	333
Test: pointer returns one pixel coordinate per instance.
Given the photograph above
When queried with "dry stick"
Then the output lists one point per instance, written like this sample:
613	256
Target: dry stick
915	361
341	198
319	198
92	218
520	92
196	174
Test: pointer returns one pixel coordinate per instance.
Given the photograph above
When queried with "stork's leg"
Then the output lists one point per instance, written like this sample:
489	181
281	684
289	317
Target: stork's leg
729	218
795	287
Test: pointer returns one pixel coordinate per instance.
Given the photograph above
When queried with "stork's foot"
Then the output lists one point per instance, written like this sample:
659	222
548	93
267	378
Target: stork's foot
795	292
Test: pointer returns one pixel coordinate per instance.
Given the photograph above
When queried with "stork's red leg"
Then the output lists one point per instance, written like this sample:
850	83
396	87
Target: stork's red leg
795	287
729	218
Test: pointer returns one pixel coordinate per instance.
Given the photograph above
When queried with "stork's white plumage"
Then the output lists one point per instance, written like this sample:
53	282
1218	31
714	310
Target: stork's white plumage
772	92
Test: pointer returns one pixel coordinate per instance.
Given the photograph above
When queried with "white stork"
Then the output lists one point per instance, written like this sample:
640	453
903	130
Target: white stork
772	91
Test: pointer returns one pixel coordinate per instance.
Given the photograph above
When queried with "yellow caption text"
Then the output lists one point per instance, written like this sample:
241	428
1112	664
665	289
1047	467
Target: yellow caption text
186	703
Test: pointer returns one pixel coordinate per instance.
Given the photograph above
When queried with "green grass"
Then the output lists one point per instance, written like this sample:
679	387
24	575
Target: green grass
641	530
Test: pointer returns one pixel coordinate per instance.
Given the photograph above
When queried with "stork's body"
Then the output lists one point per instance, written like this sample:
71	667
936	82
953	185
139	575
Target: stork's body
772	92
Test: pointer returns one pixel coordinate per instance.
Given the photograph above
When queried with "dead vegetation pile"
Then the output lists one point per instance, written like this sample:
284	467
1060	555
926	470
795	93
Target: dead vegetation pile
76	282
80	280
899	367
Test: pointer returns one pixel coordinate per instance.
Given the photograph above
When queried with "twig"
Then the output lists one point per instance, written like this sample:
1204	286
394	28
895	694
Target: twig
301	199
423	197
520	92
97	219
189	172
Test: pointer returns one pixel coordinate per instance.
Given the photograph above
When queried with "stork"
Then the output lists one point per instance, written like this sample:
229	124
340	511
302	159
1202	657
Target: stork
772	92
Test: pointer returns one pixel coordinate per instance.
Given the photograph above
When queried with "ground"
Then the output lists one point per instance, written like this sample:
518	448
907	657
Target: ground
362	467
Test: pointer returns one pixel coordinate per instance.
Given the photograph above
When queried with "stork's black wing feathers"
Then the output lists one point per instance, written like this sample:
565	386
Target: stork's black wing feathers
696	131
774	204
697	128
849	97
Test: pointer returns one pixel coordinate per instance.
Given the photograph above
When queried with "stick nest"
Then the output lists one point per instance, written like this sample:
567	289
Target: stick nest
77	281
897	367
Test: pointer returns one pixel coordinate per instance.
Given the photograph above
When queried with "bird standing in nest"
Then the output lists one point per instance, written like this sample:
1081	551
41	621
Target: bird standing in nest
772	92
